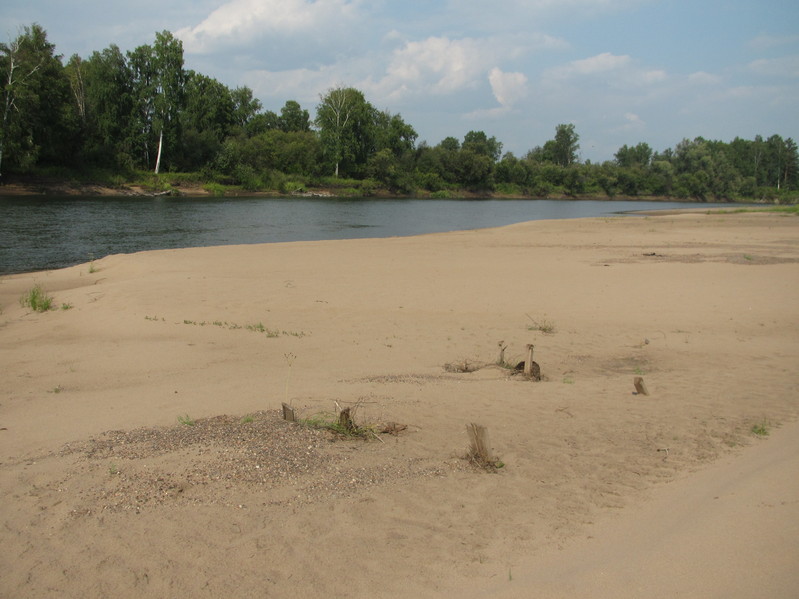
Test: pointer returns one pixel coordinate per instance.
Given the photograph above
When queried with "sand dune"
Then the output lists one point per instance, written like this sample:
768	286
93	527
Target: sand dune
143	454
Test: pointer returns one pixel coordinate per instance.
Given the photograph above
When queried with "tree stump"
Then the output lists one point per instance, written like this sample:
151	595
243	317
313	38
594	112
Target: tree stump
288	413
345	420
479	450
531	368
640	388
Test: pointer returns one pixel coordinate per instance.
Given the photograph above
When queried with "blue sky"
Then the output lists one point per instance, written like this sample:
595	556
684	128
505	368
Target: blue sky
623	71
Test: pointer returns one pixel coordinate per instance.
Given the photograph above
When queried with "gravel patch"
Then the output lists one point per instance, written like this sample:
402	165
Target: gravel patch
232	461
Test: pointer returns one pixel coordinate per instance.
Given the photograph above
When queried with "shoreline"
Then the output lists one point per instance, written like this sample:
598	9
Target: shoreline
43	188
105	483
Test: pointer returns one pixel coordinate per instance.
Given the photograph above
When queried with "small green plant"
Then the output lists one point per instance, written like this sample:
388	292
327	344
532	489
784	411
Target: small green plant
639	370
568	380
66	306
247	419
761	429
37	300
255	328
543	325
186	420
113	469
57	389
748	257
341	424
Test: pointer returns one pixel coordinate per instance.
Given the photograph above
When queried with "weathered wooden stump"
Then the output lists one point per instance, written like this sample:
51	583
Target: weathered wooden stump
479	450
345	420
530	367
640	388
288	413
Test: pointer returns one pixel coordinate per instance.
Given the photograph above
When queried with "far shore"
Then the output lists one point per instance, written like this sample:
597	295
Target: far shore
48	187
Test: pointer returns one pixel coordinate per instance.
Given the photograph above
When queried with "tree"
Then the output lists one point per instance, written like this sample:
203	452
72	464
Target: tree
206	120
393	133
169	87
346	128
102	90
158	86
639	155
294	118
480	143
35	94
245	106
565	145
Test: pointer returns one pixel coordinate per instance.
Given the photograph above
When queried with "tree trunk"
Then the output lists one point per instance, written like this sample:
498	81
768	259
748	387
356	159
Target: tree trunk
8	100
160	145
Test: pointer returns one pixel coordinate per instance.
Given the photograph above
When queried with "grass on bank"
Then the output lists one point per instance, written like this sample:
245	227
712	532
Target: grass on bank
793	209
247	180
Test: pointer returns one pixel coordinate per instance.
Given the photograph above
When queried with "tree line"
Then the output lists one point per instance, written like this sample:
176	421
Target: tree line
142	110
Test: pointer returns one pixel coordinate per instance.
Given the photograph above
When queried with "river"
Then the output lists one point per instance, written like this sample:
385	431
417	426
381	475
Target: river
46	232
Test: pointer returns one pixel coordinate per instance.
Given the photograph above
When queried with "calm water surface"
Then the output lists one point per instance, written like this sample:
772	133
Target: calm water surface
42	233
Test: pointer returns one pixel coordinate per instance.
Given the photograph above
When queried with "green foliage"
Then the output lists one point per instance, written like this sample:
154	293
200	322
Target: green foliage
346	129
107	117
37	300
186	420
761	429
544	325
334	424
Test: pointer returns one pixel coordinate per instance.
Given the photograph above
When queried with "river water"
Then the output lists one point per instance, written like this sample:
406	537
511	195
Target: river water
42	233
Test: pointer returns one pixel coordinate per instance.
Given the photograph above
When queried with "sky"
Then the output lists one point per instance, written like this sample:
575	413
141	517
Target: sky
622	71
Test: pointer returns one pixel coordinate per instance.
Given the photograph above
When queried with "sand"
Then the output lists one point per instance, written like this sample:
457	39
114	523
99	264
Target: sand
142	453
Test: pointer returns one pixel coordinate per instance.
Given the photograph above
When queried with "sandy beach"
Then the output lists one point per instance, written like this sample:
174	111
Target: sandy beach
143	453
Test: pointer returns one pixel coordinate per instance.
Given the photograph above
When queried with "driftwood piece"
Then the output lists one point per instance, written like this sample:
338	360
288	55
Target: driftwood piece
288	413
393	428
502	348
640	387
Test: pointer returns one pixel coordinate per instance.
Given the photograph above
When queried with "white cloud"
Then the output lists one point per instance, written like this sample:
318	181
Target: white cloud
508	88
601	63
703	78
614	70
438	65
632	122
241	21
785	66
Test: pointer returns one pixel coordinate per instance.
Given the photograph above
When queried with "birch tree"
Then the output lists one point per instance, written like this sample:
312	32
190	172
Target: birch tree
346	123
170	79
158	79
20	62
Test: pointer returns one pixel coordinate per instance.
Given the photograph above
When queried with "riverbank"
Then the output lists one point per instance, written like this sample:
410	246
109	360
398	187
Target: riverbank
182	187
121	477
